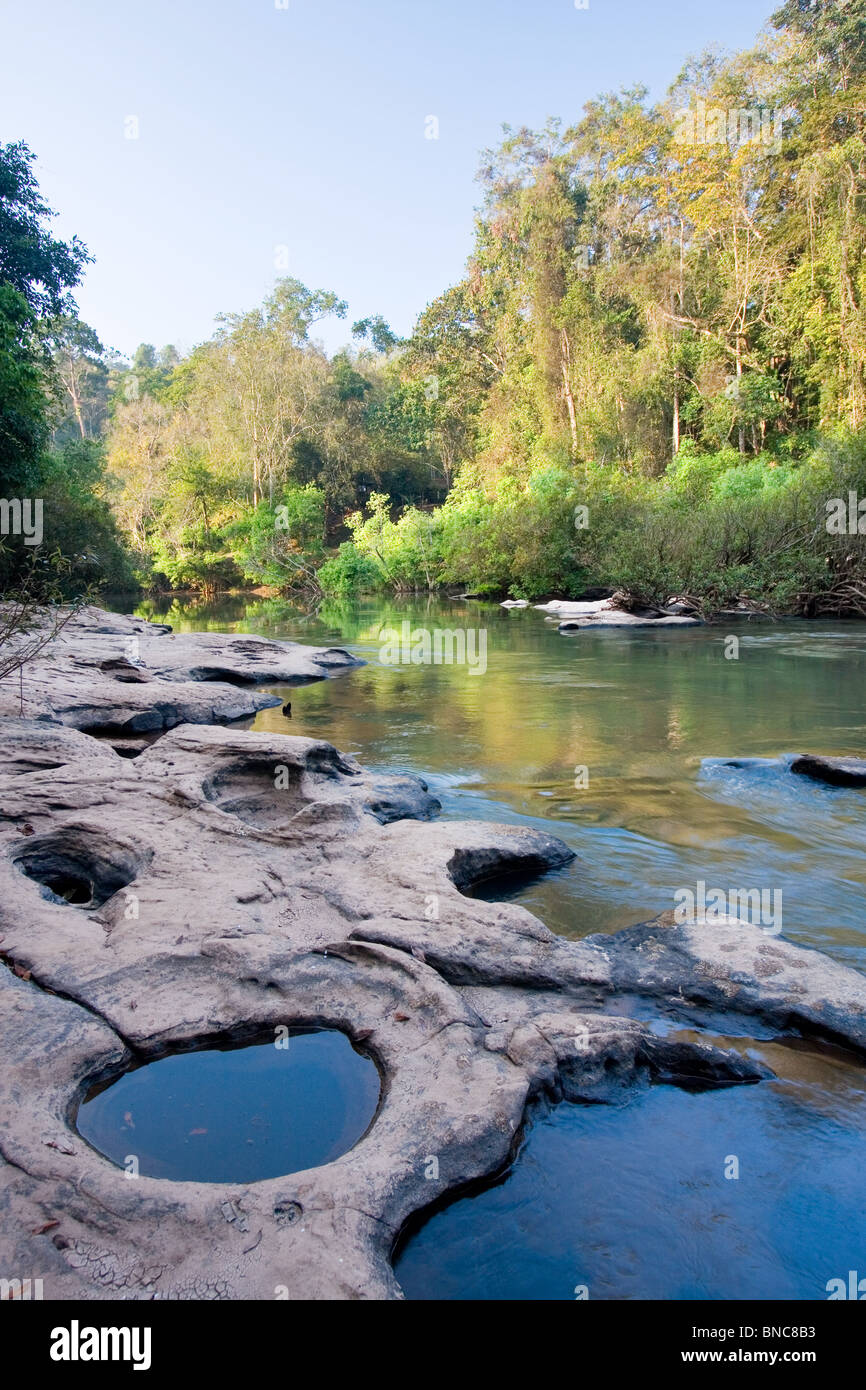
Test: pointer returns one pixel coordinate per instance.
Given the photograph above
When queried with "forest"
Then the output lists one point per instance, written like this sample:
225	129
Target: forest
652	376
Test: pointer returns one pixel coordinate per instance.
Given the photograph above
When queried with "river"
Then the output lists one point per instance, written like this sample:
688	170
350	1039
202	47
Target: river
617	741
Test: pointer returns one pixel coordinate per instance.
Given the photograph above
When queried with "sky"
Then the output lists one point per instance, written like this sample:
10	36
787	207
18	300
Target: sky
203	148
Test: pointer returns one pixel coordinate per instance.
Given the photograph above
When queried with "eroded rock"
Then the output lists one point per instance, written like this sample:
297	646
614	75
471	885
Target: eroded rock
124	676
246	882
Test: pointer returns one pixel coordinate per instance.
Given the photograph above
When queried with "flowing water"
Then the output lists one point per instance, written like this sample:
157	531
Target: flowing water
617	741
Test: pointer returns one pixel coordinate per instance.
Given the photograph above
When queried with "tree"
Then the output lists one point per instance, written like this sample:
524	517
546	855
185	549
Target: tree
264	379
32	262
36	274
377	331
84	376
24	401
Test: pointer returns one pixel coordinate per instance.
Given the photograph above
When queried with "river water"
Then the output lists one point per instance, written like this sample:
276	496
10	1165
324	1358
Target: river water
617	741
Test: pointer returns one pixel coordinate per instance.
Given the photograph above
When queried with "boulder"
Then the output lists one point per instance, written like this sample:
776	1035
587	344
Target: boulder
834	772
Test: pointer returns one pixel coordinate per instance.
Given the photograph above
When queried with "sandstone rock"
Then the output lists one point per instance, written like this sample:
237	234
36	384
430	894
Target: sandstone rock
224	883
129	677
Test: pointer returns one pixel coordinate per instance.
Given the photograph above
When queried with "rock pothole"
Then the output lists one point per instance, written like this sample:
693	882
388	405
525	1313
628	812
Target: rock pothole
77	866
264	794
270	1106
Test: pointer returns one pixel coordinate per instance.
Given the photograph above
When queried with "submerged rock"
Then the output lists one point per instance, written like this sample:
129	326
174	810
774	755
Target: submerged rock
835	772
615	618
832	772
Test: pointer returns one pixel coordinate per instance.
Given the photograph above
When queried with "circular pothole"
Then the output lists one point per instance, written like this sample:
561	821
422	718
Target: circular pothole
79	866
70	887
261	793
236	1113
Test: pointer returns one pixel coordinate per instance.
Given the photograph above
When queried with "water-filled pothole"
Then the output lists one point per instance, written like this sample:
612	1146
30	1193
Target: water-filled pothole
236	1113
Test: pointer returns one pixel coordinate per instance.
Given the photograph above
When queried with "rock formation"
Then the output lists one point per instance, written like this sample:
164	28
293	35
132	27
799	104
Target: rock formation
609	612
126	677
223	884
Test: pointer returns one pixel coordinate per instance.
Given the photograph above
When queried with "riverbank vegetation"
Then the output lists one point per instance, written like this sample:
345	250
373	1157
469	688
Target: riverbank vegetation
652	376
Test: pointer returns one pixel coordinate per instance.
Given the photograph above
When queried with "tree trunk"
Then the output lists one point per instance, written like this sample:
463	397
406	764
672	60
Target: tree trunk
739	377
567	391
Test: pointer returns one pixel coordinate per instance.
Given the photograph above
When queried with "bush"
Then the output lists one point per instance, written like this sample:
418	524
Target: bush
81	543
714	525
280	543
196	564
406	553
349	572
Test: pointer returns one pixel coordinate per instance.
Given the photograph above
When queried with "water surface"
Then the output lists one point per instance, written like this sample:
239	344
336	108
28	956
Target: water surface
751	1192
618	742
649	715
236	1113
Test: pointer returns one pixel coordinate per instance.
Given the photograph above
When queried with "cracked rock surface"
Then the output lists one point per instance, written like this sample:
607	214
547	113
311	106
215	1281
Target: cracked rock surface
223	884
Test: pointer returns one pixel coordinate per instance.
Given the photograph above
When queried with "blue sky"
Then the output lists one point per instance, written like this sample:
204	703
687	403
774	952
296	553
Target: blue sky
297	135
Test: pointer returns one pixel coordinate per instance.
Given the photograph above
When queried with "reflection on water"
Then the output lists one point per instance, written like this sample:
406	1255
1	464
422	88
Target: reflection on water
646	713
236	1113
633	1201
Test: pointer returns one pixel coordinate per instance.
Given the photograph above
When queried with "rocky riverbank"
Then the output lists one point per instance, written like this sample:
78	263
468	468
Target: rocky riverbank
218	885
106	673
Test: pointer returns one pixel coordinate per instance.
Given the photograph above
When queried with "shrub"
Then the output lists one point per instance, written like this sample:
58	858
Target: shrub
349	572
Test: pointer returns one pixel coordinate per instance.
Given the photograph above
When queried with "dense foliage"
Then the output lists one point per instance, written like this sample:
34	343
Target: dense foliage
79	543
652	376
